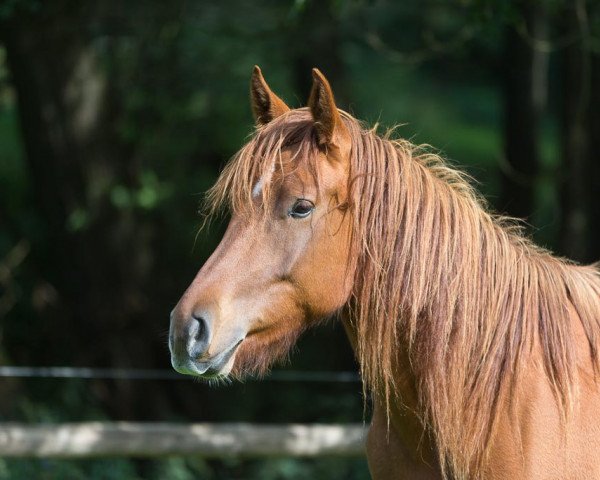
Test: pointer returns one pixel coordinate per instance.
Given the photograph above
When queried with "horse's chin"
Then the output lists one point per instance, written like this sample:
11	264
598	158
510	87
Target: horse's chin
219	366
258	352
221	371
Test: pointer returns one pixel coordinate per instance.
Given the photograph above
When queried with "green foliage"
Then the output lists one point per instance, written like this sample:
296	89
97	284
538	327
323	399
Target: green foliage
150	193
9	8
13	174
105	469
184	468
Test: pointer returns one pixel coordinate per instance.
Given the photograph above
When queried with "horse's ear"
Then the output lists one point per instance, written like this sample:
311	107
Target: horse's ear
265	104
328	122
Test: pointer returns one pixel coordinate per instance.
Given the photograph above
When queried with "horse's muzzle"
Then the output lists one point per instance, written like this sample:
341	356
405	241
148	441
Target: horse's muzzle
189	340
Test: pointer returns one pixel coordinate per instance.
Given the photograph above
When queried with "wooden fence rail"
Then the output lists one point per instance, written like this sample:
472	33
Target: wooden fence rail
123	439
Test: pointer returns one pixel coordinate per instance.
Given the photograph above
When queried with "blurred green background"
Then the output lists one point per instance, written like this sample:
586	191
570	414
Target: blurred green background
116	116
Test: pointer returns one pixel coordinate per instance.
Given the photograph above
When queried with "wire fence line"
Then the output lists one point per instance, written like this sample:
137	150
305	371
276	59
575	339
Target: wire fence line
90	373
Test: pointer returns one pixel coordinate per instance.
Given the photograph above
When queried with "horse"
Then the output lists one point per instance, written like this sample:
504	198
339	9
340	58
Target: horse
478	348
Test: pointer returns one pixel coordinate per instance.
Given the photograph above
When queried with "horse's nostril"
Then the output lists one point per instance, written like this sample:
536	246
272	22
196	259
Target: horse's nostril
199	335
200	330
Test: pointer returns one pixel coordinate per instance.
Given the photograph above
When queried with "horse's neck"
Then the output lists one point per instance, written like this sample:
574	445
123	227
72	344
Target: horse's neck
402	415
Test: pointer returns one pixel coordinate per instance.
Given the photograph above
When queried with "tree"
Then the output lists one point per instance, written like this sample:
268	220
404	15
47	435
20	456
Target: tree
525	86
92	192
579	193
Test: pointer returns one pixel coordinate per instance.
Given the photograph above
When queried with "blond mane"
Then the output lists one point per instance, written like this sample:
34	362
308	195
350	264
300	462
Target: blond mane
443	287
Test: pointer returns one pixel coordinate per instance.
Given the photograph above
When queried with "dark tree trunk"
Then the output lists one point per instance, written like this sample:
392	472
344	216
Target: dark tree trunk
314	41
524	98
50	72
94	254
594	163
577	194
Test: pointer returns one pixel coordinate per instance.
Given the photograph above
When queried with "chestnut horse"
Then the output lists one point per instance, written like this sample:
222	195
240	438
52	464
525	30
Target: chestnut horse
479	348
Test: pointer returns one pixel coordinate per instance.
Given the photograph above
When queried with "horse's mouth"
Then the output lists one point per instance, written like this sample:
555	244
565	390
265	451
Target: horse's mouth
218	366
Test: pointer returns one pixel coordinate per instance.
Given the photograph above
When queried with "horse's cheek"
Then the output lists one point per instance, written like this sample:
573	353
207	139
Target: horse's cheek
328	284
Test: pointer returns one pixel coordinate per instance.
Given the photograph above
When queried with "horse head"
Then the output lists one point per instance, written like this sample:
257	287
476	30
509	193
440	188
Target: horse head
284	262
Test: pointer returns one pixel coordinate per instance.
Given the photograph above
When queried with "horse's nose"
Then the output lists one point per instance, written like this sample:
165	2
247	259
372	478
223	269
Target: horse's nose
189	337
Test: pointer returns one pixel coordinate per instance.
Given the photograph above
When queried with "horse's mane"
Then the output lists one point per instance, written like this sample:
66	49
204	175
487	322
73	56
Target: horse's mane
457	292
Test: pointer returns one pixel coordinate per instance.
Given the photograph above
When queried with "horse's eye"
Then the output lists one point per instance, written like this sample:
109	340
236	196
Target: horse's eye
301	209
